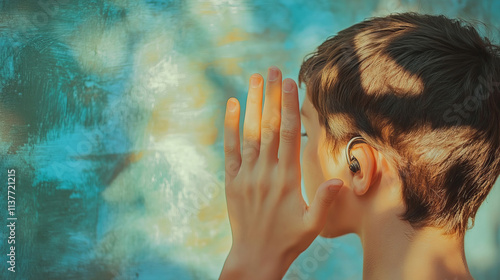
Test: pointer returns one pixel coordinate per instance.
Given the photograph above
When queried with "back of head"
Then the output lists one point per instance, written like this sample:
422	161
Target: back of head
425	91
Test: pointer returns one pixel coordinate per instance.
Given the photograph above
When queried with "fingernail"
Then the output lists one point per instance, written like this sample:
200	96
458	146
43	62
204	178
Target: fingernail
255	81
231	105
273	74
288	86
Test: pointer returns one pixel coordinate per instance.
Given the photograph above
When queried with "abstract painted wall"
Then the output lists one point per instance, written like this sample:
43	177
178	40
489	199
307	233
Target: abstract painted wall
111	114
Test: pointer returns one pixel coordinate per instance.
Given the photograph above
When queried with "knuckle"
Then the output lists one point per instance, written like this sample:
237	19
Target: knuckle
251	133
289	134
251	150
270	128
267	135
229	149
232	168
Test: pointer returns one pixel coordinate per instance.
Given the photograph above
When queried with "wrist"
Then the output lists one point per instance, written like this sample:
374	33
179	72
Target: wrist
245	265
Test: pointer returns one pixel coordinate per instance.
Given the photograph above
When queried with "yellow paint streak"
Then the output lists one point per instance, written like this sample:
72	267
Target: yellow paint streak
235	35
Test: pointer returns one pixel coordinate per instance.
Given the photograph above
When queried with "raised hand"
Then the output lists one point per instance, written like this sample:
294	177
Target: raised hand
271	223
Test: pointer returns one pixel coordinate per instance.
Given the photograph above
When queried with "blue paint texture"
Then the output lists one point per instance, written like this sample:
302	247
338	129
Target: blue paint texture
111	112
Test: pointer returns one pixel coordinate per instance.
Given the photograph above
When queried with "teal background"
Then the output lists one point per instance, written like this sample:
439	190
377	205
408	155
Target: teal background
112	112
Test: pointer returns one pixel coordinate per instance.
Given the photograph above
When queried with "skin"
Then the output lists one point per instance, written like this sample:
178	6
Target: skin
271	223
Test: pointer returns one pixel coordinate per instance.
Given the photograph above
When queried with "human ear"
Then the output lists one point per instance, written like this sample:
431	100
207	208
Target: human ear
363	178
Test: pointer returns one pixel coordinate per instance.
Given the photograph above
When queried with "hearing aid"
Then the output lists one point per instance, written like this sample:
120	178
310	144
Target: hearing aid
352	162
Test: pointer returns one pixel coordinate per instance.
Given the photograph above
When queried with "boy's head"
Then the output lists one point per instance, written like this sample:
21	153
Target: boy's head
424	91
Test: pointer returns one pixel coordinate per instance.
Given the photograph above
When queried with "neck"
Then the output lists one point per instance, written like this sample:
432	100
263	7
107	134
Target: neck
394	250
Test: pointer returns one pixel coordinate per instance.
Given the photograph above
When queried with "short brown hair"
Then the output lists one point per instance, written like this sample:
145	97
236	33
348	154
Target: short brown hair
423	90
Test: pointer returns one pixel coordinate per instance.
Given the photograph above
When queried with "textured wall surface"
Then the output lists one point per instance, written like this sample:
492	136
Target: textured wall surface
111	113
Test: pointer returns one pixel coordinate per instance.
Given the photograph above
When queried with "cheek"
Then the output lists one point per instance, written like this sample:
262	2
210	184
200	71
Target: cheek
311	170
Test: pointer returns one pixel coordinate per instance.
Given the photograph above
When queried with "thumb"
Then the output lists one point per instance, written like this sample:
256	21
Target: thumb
325	195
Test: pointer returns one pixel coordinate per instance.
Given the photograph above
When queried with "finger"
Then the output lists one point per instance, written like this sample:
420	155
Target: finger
271	117
232	139
289	146
251	126
318	210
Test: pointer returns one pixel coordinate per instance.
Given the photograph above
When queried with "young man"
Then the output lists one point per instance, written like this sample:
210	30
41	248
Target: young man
402	118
